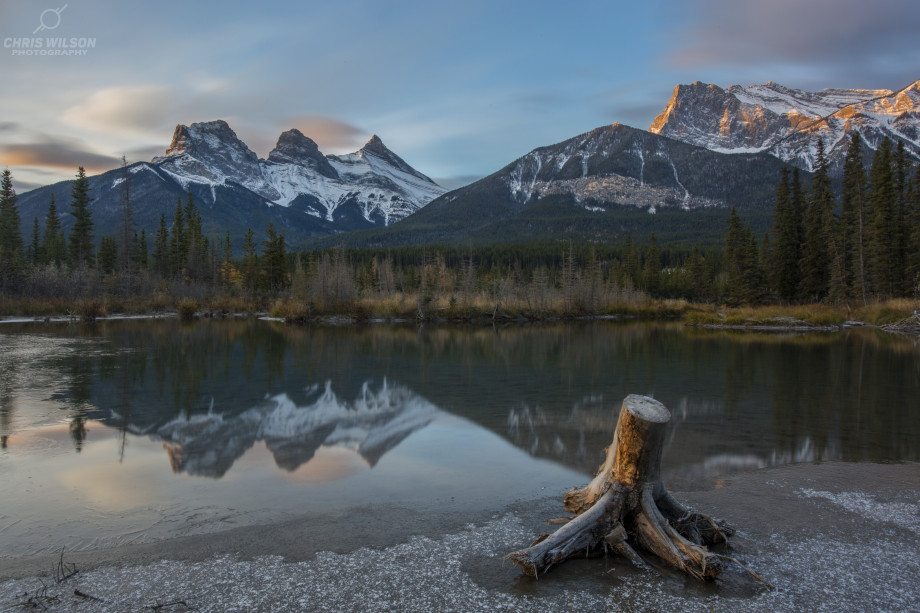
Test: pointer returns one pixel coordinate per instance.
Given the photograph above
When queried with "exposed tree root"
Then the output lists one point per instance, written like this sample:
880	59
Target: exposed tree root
626	507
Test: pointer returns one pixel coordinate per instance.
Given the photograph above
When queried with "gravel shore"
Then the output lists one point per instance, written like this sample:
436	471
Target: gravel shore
828	537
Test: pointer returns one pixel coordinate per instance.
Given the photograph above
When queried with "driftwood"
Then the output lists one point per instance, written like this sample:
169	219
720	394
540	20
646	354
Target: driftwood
626	507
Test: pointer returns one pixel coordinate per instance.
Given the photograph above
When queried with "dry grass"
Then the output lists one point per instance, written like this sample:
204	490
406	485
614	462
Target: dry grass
774	315
887	312
514	305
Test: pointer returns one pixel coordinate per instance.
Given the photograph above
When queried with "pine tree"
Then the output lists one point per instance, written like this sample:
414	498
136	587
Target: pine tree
196	244
746	279
128	237
140	250
178	247
884	238
274	260
798	199
10	231
902	231
819	233
914	224
250	262
54	246
852	232
108	254
35	247
161	254
754	279
733	258
784	263
700	282
81	235
767	256
227	270
631	262
652	274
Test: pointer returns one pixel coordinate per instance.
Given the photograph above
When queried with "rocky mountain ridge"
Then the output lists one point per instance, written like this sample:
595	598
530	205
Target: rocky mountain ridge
297	188
376	181
603	185
786	122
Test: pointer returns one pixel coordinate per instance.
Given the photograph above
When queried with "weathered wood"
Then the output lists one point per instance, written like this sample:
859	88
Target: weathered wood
626	506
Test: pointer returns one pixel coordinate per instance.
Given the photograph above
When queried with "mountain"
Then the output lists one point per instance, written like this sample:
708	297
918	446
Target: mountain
297	188
600	186
787	122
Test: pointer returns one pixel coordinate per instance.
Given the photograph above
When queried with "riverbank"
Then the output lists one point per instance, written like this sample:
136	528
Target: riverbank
896	314
828	537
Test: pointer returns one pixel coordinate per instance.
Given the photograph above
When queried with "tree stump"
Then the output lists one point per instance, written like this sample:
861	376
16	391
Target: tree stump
626	507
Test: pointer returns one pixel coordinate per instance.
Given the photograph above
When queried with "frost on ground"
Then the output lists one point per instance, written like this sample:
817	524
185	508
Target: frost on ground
903	514
464	571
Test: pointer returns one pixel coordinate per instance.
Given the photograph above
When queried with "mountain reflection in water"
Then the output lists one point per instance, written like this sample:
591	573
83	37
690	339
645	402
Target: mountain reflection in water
261	422
209	391
207	444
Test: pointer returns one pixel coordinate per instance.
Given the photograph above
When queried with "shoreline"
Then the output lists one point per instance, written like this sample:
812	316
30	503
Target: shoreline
485	320
808	529
896	315
350	320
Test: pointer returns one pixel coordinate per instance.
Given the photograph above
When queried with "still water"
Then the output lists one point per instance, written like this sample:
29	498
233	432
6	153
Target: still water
138	431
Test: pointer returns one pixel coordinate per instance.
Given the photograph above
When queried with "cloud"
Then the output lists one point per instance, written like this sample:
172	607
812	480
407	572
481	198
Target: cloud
8	126
144	154
23	186
138	109
330	134
841	36
55	153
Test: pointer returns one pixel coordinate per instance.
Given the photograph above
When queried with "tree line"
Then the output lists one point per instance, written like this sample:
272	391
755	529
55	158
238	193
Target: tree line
74	264
860	247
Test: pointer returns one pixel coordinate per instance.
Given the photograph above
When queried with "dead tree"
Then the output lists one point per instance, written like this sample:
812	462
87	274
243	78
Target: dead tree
626	507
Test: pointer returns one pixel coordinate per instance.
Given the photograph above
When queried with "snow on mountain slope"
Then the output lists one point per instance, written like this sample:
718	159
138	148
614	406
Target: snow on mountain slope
382	186
613	164
209	153
787	122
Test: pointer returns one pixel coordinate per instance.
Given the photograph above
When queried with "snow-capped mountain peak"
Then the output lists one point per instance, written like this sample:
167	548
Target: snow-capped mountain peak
210	138
295	148
209	153
787	122
376	148
372	186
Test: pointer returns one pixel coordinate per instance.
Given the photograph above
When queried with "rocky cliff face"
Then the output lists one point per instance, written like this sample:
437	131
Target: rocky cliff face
295	148
788	122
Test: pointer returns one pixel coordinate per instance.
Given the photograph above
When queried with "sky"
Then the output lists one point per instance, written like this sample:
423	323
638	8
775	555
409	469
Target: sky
458	90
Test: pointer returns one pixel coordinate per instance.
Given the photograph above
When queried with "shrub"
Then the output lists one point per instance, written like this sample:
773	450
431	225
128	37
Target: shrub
187	309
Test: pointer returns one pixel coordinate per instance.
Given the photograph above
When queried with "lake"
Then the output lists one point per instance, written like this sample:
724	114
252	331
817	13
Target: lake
138	431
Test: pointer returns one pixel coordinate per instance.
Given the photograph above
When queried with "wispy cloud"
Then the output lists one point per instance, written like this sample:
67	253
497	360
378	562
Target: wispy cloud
56	153
827	38
330	134
136	109
144	154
